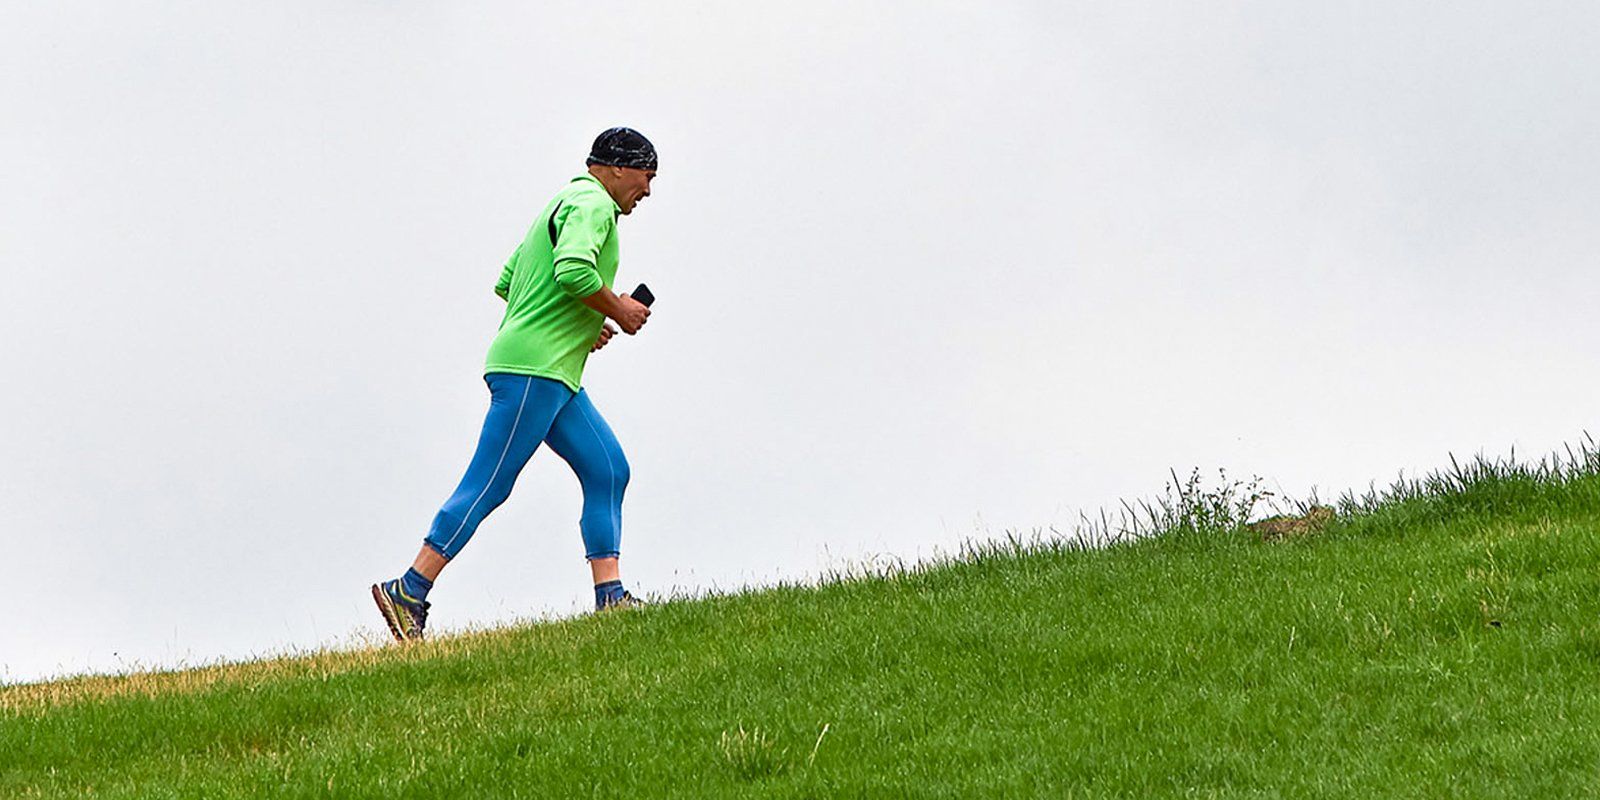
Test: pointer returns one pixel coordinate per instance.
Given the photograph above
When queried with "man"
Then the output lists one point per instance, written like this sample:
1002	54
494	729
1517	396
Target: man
557	288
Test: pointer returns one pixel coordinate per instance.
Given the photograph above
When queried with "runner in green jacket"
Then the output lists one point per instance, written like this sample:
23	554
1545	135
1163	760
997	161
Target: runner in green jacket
557	288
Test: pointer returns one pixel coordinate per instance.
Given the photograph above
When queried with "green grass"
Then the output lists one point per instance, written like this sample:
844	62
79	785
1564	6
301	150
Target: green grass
1438	639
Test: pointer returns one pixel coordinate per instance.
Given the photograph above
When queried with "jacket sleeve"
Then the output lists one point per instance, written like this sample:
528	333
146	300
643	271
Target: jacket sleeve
504	286
581	231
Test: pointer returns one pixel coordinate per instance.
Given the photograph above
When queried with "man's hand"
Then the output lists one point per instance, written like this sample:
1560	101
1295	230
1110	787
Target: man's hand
605	336
631	314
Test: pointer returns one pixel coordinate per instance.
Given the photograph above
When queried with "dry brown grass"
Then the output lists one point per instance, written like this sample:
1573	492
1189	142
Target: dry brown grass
36	698
1287	527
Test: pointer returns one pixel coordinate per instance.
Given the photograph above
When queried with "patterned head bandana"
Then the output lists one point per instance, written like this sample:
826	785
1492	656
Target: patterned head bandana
623	147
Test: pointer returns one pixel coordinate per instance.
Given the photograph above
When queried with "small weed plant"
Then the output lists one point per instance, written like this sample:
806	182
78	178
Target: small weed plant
753	754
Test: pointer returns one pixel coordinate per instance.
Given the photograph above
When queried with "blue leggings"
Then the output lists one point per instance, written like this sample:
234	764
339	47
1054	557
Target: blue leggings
524	411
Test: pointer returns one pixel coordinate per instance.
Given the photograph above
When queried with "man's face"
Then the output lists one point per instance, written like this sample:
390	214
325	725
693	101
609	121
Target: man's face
632	186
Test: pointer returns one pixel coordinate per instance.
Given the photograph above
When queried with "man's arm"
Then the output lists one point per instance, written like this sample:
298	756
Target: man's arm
584	230
504	286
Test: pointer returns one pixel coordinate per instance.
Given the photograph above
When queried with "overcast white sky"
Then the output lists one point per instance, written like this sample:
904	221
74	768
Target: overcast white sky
925	272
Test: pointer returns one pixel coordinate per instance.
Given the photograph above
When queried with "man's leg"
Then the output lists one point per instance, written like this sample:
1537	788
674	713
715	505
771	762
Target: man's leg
604	570
521	409
583	439
429	563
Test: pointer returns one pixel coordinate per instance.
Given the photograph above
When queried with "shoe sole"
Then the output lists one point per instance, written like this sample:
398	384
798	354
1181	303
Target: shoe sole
622	605
391	615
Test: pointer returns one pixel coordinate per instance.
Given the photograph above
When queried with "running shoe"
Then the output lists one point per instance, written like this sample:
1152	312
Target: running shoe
406	616
627	600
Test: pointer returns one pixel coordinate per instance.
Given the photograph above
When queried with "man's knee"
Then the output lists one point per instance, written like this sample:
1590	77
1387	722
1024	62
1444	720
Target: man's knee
620	471
605	474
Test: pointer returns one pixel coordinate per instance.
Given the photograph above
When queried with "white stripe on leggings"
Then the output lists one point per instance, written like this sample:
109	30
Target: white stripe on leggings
506	449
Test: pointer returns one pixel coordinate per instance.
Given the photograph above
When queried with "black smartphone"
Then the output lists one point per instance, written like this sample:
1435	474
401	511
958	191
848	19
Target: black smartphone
643	295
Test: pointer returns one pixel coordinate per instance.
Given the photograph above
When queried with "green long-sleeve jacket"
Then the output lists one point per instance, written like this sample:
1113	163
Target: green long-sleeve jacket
547	331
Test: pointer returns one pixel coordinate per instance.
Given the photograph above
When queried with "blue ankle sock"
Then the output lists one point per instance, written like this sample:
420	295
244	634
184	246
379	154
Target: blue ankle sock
607	593
414	585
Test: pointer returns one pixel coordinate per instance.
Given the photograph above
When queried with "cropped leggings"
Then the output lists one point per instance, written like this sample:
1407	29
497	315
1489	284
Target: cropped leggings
524	411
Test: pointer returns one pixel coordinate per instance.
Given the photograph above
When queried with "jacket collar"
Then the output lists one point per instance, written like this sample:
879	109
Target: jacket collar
602	187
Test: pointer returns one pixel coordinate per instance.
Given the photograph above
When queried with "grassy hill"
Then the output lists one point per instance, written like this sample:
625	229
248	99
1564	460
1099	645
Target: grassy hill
1436	639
